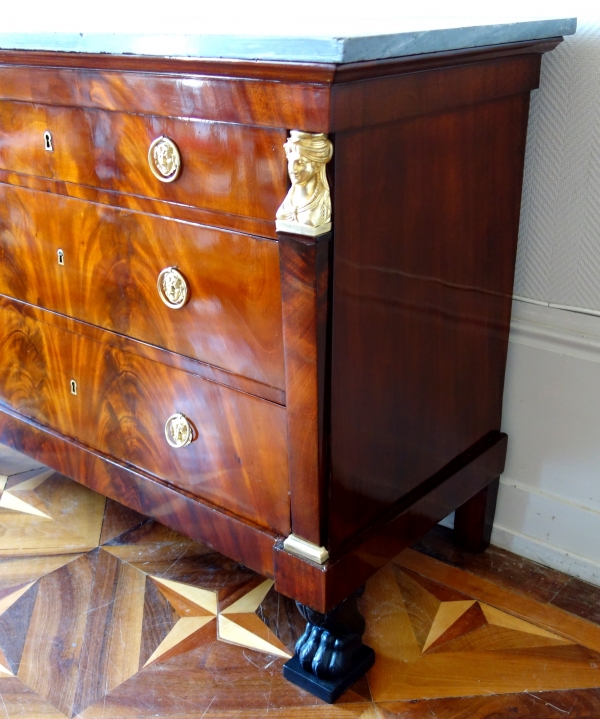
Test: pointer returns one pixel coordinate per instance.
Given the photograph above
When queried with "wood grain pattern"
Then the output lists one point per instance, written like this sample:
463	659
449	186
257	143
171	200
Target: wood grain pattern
545	616
322	587
498	565
118	519
246	542
22	702
52	651
20	571
312	72
579	598
225	167
168	581
299	100
111	643
112	259
12	462
274	94
37	516
576	704
223	220
427	177
14	623
473	520
143	349
159	619
421	298
480	658
238	459
400	97
305	272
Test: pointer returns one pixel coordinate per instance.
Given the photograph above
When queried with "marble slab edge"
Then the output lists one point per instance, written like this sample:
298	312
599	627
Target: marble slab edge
327	49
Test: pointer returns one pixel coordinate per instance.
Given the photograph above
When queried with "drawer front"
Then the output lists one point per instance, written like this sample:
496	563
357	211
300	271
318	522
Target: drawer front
111	263
237	459
235	169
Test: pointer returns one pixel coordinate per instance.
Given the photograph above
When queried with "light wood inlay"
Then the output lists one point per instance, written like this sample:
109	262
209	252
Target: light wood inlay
446	616
471	649
184	628
10	501
249	602
246	630
200	597
394	634
126	631
550	618
501	619
12	462
48	514
8	600
4	669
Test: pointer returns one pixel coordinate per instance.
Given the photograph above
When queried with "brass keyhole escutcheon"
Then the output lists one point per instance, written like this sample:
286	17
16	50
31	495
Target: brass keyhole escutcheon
178	431
61	257
73	386
172	288
164	159
48	141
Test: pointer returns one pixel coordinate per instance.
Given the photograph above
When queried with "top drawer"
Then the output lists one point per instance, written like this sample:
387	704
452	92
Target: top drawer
234	169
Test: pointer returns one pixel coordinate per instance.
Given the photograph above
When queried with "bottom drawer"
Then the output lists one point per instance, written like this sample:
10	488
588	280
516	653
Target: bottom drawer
237	458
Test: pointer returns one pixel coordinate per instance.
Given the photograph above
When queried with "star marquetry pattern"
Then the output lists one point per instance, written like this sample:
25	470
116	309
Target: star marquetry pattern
433	640
144	616
106	614
36	514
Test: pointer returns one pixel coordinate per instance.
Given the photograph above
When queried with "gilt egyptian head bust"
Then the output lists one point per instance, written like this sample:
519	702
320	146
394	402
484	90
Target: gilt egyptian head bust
307	205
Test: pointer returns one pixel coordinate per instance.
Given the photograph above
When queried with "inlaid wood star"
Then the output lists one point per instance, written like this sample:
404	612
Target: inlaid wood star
43	512
434	640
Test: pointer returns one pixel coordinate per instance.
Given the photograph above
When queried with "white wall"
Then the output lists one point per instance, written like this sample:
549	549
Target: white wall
549	500
558	258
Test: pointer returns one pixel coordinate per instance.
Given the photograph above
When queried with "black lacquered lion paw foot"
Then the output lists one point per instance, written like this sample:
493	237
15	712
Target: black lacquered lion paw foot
330	655
324	655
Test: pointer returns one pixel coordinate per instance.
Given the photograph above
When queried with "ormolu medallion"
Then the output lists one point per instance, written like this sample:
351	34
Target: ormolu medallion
172	288
178	431
164	159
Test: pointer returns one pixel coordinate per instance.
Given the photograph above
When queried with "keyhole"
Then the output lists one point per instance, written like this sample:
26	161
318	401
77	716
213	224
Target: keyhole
48	141
61	257
73	387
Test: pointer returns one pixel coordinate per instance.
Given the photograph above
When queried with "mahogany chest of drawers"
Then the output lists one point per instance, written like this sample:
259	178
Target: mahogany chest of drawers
306	378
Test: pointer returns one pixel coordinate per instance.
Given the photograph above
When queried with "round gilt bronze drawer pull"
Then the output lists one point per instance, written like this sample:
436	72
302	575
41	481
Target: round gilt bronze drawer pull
164	159
178	431
172	288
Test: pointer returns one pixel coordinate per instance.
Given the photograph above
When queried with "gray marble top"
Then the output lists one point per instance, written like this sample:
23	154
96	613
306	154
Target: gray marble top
335	43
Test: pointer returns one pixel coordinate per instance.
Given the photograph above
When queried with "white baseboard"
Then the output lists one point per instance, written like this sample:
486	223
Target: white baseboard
548	529
581	526
549	500
546	554
541	552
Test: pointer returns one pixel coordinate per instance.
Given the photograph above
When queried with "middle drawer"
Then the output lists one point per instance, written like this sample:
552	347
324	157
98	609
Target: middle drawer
111	260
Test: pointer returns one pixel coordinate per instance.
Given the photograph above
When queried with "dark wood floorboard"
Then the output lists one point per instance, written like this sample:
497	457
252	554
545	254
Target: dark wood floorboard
107	614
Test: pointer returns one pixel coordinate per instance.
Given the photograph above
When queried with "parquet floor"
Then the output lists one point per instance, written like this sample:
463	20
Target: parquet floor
105	614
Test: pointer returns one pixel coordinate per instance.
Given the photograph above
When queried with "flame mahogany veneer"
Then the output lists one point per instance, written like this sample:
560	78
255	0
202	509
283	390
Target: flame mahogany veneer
346	388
